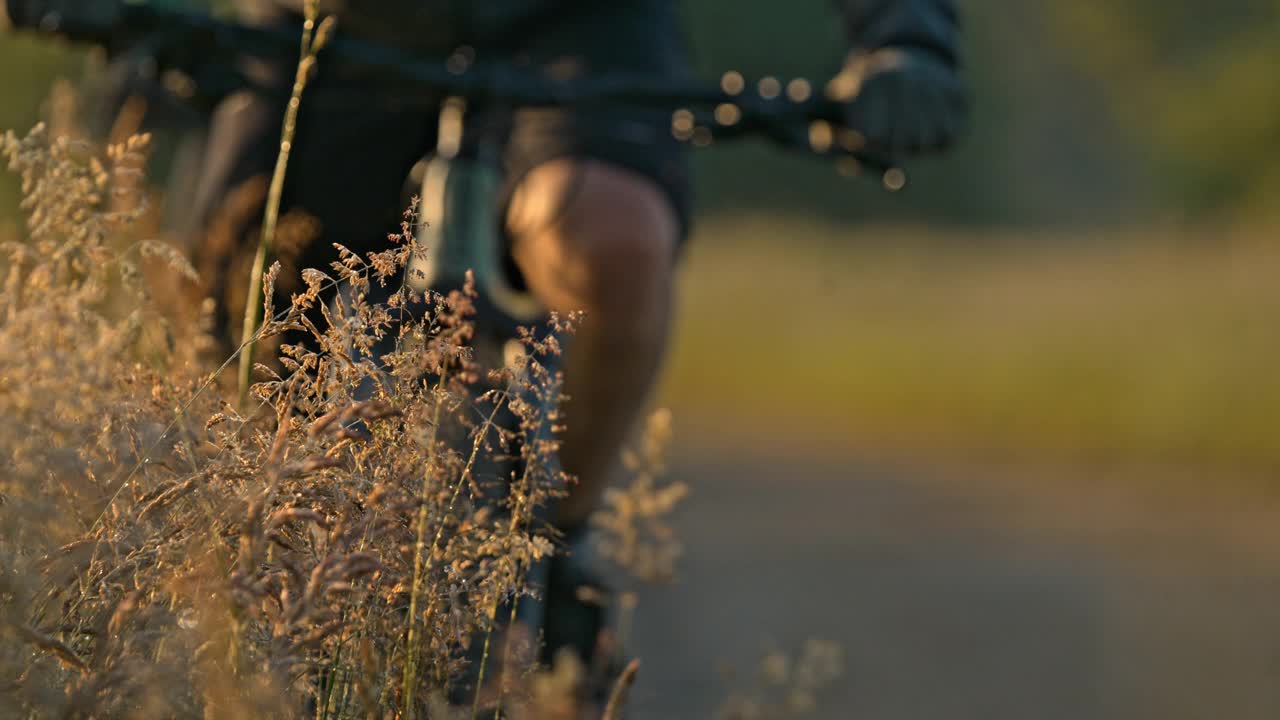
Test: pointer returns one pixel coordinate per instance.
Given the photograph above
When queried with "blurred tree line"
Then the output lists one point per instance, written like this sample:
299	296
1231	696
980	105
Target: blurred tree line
1087	111
1193	82
1092	111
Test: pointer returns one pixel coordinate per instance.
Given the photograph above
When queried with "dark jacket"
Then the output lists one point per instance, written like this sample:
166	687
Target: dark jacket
441	25
931	25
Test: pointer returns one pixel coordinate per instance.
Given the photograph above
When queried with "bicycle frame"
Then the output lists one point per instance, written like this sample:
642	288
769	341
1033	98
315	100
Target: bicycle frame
457	228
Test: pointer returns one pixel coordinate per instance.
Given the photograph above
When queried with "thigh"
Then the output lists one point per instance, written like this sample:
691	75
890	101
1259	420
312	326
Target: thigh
636	38
591	235
638	145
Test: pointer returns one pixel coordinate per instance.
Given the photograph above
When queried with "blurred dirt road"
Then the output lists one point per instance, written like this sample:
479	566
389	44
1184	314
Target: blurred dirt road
967	596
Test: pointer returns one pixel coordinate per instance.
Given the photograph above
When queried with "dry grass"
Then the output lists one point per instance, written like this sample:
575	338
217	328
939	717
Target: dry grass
341	551
354	545
353	536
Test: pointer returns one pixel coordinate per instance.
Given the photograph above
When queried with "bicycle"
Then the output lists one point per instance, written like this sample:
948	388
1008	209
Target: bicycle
457	182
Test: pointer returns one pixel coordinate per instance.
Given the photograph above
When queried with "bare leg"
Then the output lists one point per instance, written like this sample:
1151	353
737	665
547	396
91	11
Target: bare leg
595	237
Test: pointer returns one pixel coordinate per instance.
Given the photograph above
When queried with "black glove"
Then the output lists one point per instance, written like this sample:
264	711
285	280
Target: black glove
901	100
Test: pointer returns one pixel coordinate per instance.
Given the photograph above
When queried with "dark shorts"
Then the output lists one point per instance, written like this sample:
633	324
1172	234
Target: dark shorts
356	144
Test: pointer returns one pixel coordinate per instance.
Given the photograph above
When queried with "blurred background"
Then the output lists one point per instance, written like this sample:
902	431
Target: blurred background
1008	435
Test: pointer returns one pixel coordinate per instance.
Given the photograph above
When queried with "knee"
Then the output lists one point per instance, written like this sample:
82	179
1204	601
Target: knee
592	236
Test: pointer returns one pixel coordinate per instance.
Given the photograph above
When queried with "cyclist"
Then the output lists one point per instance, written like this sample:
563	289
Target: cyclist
595	202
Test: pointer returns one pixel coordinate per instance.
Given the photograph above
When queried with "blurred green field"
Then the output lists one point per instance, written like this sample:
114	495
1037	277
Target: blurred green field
1156	347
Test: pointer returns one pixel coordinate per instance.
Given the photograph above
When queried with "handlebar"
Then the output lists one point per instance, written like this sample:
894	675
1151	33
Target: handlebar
208	50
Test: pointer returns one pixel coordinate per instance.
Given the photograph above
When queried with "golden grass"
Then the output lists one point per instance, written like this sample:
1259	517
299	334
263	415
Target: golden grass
340	549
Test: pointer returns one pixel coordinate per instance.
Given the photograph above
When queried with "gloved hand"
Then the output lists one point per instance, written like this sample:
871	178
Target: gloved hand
901	100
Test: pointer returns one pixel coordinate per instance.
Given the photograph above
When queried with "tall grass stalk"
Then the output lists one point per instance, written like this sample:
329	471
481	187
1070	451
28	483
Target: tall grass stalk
314	37
422	554
618	695
414	634
516	520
